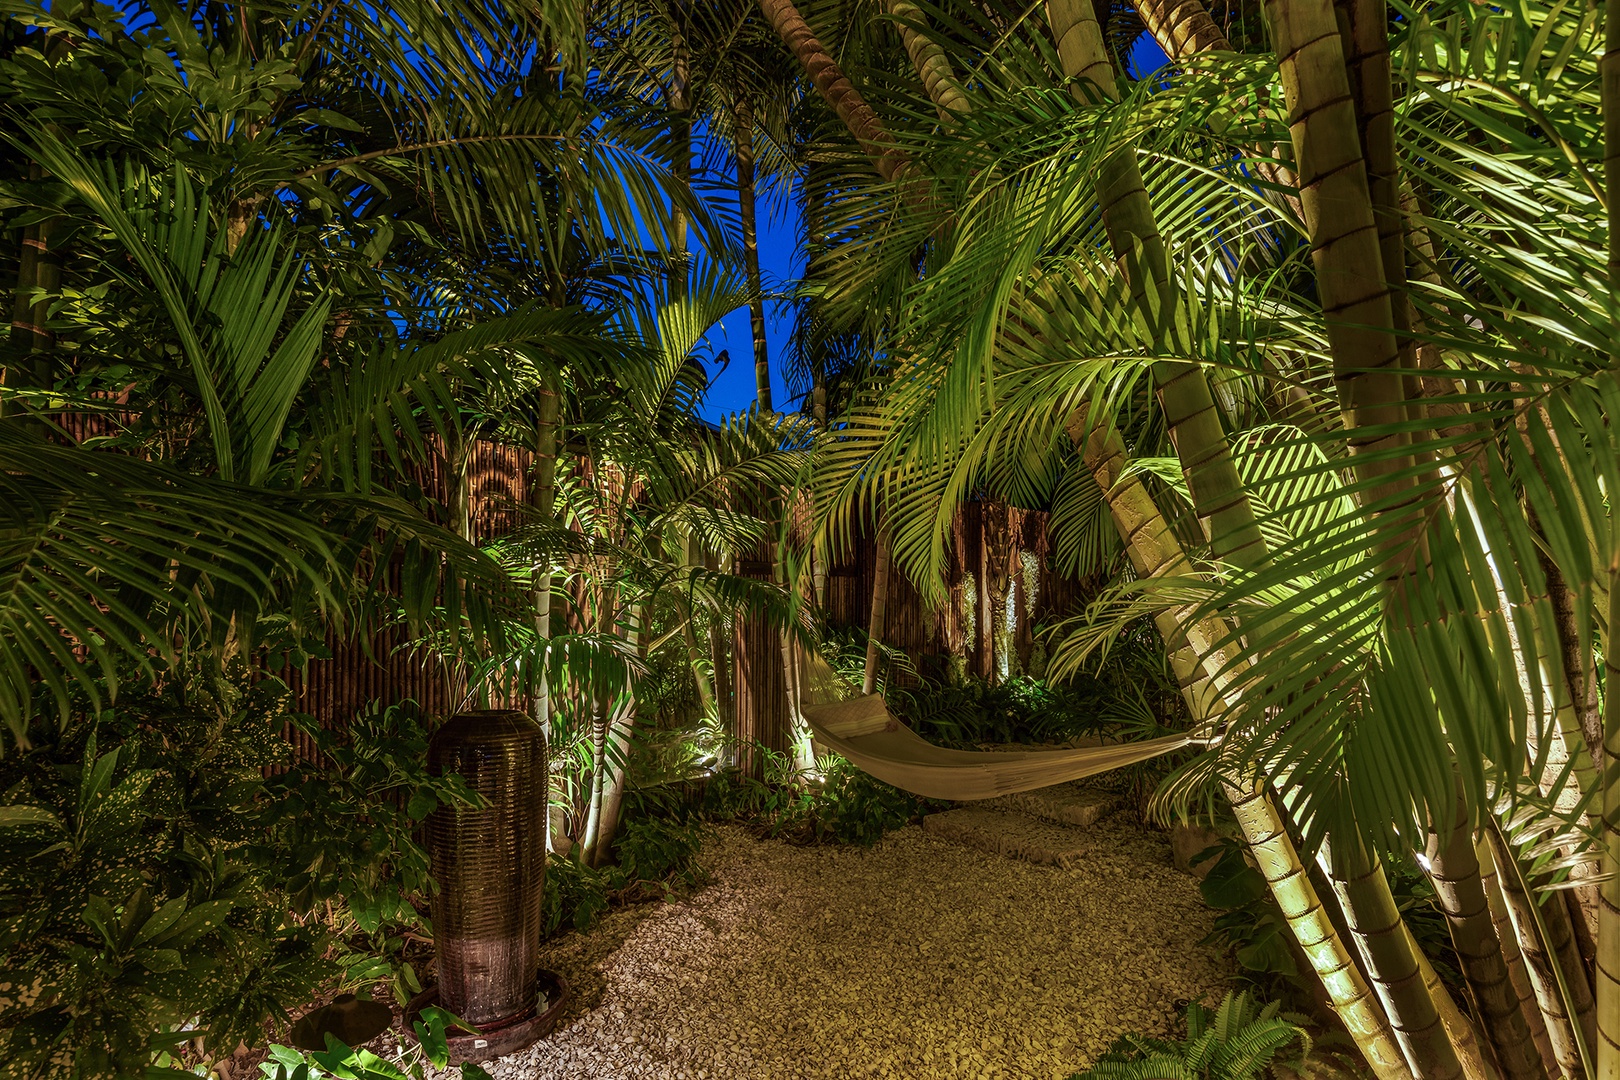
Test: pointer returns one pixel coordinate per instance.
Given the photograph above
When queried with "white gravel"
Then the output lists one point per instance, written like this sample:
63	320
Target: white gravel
916	959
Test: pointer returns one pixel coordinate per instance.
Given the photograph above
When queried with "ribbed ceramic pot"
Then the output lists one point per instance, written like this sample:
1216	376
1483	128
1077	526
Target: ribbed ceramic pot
490	865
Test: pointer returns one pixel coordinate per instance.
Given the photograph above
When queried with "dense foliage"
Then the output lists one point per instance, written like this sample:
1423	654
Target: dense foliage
1305	343
161	888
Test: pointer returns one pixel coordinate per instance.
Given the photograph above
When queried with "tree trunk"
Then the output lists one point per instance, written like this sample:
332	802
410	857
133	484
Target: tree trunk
601	721
1518	973
833	85
1182	27
1459	1028
719	633
692	555
1345	245
743	148
1195	644
932	64
1364	39
1460	895
1392	963
880	609
680	132
39	269
1608	960
39	276
1183	388
545	501
1540	943
617	761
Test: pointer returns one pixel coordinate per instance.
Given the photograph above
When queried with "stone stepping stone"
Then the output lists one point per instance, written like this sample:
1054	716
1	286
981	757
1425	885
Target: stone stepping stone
1012	834
1063	804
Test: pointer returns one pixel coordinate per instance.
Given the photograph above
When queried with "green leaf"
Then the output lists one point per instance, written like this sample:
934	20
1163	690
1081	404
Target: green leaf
15	816
422	804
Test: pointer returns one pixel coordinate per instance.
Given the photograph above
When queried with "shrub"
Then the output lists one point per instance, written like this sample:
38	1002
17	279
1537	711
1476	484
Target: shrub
156	887
344	1062
847	806
657	859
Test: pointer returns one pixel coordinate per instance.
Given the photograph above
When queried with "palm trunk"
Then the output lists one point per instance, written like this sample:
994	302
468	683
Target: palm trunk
719	655
680	130
705	688
747	211
1459	1028
1336	104
1392	961
1518	972
1579	674
1195	644
545	501
1183	389
1182	27
617	761
1345	244
1566	1002
1460	894
39	276
39	269
694	656
833	85
880	609
930	60
1364	39
601	721
1608	960
1223	505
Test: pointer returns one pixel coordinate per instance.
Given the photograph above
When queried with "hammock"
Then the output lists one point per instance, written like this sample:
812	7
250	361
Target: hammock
863	731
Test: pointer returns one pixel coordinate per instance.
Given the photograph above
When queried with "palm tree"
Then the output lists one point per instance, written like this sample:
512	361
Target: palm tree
998	434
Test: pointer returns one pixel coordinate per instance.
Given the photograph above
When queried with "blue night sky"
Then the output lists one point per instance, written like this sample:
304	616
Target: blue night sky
781	263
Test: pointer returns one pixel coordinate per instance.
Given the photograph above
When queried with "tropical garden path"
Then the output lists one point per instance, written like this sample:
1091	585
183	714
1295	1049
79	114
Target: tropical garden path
919	958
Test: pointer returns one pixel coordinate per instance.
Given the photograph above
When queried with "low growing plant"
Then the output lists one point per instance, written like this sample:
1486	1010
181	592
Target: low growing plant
846	806
343	1062
657	859
1239	1040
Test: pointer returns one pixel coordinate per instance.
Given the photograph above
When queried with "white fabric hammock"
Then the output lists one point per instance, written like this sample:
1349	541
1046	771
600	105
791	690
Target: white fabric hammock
863	731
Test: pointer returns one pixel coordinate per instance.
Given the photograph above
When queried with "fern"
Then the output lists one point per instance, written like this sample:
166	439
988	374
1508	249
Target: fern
1239	1040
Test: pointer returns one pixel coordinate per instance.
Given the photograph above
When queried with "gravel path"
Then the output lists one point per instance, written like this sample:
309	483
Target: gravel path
917	959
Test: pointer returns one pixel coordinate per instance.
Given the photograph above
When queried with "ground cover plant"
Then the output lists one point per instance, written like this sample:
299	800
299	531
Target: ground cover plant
1240	1039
